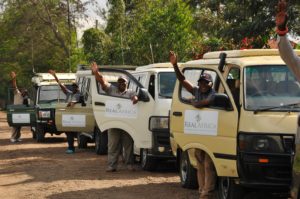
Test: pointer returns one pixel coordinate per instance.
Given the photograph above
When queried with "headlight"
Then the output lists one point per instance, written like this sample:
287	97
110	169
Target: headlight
262	143
159	123
44	114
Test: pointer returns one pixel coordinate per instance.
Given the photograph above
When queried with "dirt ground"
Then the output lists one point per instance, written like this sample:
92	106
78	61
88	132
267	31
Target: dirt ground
31	170
42	170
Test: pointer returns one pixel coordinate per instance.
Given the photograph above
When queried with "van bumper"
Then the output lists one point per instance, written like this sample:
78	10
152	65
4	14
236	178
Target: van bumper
276	173
161	147
295	191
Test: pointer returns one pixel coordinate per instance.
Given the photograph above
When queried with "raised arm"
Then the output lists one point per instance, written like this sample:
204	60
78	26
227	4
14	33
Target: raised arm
14	81
185	83
99	77
63	87
285	48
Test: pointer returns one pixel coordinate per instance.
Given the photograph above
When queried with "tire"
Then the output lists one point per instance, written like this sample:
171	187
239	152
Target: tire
40	133
33	131
82	141
100	142
188	174
227	189
148	163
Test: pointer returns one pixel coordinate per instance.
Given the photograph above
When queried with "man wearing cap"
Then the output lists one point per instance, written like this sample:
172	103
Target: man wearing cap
117	138
73	97
204	95
20	97
284	45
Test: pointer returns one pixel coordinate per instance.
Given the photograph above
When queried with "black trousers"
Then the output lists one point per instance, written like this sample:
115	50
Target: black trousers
70	140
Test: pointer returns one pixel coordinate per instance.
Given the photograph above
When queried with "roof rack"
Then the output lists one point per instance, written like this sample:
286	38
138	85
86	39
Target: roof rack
244	53
156	65
123	67
47	77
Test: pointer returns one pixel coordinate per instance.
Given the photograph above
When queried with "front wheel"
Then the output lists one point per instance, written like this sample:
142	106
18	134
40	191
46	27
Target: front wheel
33	131
227	189
40	133
148	163
188	174
100	142
82	141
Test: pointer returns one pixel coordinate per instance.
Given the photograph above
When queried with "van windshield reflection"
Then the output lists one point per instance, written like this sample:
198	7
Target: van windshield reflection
268	86
166	84
52	94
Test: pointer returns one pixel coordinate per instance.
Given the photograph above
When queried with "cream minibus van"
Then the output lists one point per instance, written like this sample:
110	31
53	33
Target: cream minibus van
249	131
159	79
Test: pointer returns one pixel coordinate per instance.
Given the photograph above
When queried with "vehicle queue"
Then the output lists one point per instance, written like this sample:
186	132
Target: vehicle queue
249	131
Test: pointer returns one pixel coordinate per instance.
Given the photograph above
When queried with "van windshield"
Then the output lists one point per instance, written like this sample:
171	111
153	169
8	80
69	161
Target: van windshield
166	83
271	86
51	94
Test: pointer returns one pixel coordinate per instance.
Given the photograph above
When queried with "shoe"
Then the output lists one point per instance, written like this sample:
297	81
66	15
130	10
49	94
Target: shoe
110	169
12	140
19	140
130	168
69	151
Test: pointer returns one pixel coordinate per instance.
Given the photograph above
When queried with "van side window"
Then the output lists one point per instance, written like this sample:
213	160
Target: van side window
85	90
233	82
112	78
151	87
193	75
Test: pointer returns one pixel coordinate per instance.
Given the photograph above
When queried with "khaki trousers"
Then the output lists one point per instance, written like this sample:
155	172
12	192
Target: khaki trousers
118	140
206	175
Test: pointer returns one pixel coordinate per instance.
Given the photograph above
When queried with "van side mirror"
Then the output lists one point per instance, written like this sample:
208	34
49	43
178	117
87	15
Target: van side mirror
143	95
222	101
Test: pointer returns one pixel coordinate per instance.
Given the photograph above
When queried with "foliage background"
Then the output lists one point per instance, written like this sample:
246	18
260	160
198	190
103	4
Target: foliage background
41	34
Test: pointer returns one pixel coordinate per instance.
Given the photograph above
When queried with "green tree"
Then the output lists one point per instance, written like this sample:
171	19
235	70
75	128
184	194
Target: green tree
115	29
38	33
155	27
142	28
234	20
96	46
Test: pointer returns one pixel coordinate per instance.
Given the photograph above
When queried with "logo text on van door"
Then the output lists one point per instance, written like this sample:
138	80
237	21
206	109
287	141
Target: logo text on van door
21	118
72	120
121	109
201	122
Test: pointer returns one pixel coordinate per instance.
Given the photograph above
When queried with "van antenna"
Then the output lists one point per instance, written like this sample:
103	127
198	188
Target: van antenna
151	53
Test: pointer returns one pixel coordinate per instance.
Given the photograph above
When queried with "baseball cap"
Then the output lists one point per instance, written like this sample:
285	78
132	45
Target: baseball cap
122	77
205	76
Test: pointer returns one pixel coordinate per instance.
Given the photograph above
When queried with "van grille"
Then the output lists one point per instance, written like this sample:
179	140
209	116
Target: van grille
289	143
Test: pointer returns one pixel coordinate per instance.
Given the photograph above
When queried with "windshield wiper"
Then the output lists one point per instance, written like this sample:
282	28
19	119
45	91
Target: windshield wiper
274	107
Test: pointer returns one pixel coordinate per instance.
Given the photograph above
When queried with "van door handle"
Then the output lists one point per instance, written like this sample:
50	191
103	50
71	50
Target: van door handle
177	113
99	104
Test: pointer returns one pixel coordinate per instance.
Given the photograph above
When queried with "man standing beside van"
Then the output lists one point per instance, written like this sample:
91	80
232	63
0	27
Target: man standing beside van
20	97
117	138
73	97
204	95
293	62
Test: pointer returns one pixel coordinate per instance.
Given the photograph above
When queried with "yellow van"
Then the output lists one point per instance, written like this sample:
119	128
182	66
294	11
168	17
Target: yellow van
250	130
296	167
